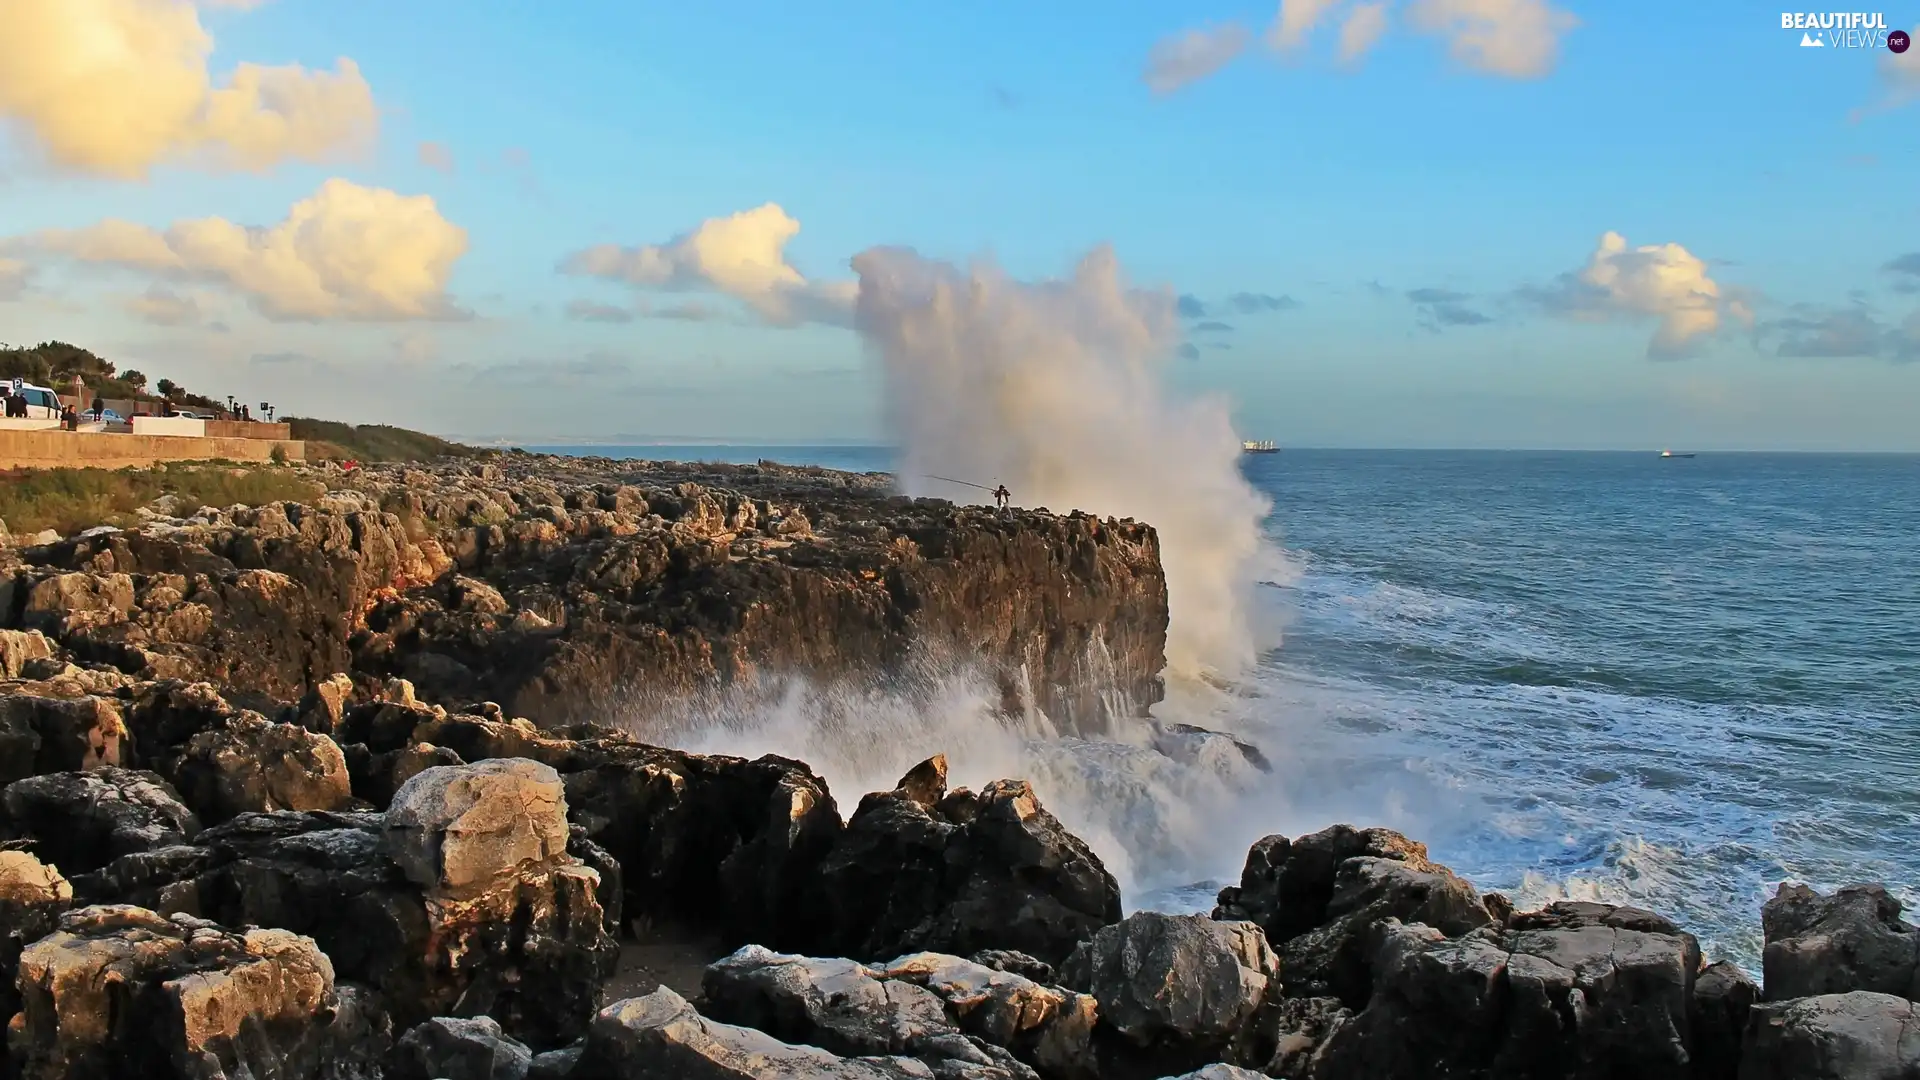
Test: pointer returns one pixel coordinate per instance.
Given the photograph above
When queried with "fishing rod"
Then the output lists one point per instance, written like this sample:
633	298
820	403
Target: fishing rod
962	483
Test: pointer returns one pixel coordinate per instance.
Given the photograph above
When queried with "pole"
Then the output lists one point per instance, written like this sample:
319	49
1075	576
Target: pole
962	483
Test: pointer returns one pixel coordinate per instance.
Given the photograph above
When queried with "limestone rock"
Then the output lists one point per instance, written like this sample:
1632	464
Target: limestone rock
45	734
33	896
446	1048
1854	1036
17	647
460	830
121	991
992	870
323	706
80	821
1177	988
250	765
1048	1027
1851	940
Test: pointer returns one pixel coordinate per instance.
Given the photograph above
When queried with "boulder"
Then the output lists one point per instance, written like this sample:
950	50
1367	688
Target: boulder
943	1010
325	703
1576	990
461	830
446	1048
1174	989
1851	940
1287	885
251	765
971	872
121	991
1285	1036
1723	996
1221	1072
20	647
80	821
661	1035
33	896
1333	959
1853	1036
530	951
48	734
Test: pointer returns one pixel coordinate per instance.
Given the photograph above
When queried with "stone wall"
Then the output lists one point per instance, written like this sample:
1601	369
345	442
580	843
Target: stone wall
80	450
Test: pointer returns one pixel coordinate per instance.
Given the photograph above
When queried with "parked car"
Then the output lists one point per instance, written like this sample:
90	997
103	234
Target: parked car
107	415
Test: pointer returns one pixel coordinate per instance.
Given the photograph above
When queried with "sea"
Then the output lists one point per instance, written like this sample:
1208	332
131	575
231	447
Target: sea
1671	682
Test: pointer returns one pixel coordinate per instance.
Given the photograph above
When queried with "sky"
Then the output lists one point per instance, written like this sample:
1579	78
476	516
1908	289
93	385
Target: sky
1385	223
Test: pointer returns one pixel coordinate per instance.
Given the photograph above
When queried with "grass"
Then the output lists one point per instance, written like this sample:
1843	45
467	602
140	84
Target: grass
372	442
71	500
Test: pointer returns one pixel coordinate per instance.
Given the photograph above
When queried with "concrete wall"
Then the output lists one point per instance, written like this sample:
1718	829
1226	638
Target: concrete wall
248	429
176	426
84	450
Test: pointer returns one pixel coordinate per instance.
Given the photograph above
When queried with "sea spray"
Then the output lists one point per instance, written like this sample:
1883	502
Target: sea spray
1056	390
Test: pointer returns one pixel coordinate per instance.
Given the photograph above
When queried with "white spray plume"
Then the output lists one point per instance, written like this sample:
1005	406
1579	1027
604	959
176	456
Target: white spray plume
1056	390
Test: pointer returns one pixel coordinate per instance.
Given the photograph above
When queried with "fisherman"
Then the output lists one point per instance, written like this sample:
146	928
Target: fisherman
1001	495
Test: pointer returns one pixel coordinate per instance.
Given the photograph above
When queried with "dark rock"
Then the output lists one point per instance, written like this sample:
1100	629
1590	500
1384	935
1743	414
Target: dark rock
121	991
1333	959
1578	991
375	777
1287	1033
1851	940
1176	990
992	870
1722	998
33	896
1288	884
446	1048
1014	963
1221	1072
661	1035
557	1064
1854	1036
42	735
81	821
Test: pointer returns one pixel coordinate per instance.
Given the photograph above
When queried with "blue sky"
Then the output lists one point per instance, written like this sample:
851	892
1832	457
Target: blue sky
1481	182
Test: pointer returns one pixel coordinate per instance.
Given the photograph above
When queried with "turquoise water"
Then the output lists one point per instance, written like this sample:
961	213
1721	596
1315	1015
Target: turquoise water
1671	682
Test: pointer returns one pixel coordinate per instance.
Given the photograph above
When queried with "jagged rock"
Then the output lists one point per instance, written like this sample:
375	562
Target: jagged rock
941	1009
662	1035
1576	990
33	896
446	1048
1174	989
1333	960
1723	995
557	1064
1851	940
80	821
530	951
1854	1036
460	830
44	734
1214	751
17	647
1221	1072
1015	963
121	991
992	870
376	777
323	706
1286	1035
249	764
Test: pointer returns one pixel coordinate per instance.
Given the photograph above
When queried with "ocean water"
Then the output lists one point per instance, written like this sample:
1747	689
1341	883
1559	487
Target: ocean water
1593	675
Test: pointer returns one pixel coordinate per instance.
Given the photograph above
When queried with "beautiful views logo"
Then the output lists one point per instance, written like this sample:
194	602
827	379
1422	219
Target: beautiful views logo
1844	30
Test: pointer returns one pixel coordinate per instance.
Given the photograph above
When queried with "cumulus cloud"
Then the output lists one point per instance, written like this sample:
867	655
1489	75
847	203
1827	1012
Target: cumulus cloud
742	256
346	252
1663	282
14	276
114	87
1815	332
162	306
1192	55
1518	39
437	156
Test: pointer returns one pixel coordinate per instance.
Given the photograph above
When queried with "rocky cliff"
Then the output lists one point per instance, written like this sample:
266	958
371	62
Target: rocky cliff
566	590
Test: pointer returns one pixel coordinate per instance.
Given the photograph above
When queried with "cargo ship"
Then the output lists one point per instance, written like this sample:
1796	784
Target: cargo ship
1258	446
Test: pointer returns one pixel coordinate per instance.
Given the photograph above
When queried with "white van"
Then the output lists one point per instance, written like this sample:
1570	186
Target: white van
42	403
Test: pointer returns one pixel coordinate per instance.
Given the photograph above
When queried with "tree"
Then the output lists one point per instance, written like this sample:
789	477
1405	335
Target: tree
133	378
168	388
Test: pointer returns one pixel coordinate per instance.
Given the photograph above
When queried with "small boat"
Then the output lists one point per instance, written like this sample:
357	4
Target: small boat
1671	454
1257	446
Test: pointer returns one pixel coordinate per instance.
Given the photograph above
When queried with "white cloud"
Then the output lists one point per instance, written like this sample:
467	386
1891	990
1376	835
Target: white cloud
1664	282
346	252
1518	39
742	256
115	87
1296	20
1192	55
1364	26
1899	80
437	156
